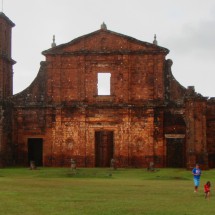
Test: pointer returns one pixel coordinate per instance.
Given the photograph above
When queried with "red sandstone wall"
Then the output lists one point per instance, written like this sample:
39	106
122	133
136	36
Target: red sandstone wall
210	116
134	77
62	107
129	82
196	132
74	137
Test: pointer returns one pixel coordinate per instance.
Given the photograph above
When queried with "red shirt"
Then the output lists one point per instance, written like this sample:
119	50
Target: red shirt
207	188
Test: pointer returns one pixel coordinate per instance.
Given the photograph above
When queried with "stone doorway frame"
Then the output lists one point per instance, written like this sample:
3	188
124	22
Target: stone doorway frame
176	144
104	147
35	151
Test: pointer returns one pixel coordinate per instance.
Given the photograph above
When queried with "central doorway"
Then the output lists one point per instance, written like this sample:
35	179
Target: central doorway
103	148
35	151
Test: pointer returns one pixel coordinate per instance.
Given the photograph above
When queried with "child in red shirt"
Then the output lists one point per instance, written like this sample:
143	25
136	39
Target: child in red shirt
207	187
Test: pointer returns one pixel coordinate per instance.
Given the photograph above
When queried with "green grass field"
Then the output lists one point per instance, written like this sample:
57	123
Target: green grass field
59	191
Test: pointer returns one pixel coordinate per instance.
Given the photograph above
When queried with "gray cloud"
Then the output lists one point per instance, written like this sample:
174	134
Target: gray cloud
187	30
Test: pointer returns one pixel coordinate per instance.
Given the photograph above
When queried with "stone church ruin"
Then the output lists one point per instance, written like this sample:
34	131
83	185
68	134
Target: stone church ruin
145	116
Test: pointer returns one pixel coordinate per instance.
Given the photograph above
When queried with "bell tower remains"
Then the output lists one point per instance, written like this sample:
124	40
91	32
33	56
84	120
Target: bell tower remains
6	87
6	62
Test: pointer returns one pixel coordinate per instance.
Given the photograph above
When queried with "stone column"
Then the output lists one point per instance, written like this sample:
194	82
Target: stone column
195	111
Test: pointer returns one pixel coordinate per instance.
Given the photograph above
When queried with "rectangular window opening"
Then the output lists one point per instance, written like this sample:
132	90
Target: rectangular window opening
104	83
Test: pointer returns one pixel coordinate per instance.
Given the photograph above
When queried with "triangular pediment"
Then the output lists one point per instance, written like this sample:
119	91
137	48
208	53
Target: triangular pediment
105	41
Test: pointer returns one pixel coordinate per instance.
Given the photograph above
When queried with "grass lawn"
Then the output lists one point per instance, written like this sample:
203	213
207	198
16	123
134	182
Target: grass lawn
58	191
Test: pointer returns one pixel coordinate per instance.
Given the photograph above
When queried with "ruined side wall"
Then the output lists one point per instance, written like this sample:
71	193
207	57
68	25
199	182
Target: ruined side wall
174	91
210	117
1	134
196	132
6	146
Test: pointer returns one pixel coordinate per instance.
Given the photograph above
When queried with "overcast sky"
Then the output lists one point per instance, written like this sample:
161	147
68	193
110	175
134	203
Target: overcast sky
185	27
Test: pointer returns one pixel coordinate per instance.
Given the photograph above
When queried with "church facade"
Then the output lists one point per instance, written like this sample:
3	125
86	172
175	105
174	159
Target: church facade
144	115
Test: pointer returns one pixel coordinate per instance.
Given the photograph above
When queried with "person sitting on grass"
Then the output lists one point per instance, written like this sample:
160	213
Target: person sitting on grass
207	187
